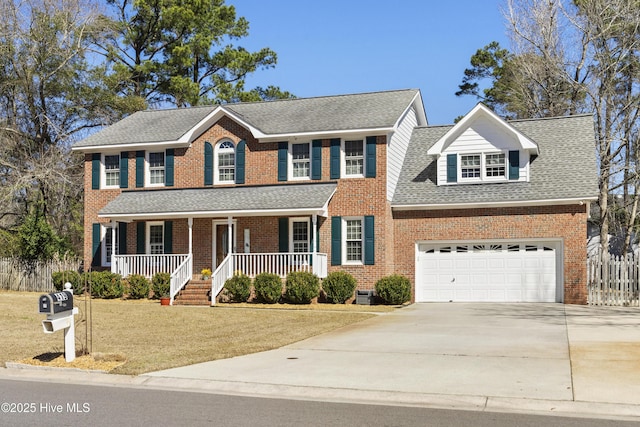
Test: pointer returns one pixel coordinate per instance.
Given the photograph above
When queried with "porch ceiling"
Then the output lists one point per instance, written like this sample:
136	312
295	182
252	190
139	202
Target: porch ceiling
268	200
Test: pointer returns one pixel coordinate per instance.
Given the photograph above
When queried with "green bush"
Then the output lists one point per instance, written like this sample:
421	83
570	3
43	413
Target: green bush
302	287
138	286
339	286
105	284
59	278
238	287
394	289
268	287
161	283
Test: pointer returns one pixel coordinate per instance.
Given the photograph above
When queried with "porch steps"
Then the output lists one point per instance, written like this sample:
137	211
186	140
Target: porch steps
196	292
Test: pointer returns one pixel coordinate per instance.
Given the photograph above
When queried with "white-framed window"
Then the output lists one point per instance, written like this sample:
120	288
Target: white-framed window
225	163
495	165
353	241
110	171
299	235
482	167
156	168
300	160
353	155
109	247
155	238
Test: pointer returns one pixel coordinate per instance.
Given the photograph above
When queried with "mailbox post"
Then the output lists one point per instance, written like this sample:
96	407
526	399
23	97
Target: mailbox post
58	307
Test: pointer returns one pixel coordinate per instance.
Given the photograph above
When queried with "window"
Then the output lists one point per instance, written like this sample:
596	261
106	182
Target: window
483	167
109	247
300	160
495	165
299	234
470	166
225	164
353	240
354	158
156	168
156	238
111	170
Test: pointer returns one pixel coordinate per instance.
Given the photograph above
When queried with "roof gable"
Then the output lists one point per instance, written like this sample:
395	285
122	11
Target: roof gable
487	124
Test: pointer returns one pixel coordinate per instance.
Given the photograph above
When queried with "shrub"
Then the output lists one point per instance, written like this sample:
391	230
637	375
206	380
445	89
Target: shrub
59	278
394	289
339	286
302	287
161	283
105	284
268	287
239	287
138	286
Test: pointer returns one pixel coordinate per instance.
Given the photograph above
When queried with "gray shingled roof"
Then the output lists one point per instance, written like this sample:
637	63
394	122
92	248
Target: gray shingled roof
565	169
147	127
329	113
343	112
211	201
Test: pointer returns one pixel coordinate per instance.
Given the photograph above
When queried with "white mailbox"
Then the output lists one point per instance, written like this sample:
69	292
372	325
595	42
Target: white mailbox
60	316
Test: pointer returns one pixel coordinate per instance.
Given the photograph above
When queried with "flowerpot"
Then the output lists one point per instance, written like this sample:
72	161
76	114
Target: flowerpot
206	277
165	301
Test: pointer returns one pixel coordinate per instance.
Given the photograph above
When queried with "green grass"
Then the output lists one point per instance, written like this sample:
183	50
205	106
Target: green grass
152	337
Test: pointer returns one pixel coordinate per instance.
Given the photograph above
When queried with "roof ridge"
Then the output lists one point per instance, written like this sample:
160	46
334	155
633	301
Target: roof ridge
569	116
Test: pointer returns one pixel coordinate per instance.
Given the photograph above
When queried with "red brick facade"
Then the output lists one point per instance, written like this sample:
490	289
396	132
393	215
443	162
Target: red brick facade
396	233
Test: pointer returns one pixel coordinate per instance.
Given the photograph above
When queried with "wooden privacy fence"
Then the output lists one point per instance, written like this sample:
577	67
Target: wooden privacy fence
613	280
15	276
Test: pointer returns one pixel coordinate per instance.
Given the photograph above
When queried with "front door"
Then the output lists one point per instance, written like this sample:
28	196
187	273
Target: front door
221	241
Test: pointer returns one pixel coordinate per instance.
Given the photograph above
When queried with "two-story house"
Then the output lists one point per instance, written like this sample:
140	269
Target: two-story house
485	210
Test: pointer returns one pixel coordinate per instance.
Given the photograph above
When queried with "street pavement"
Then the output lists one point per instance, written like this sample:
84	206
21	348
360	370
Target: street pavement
535	358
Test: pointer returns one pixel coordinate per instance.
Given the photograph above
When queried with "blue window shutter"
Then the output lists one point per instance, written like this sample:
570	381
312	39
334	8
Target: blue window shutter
452	168
124	169
141	241
95	171
369	241
208	163
122	238
169	167
316	159
336	240
283	153
283	234
95	245
370	155
334	158
514	165
140	169
168	237
240	161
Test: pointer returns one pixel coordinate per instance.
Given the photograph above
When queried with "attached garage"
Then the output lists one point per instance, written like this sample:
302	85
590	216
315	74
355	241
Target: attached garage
489	271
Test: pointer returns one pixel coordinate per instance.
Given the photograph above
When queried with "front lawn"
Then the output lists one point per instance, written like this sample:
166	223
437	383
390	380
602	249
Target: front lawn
151	337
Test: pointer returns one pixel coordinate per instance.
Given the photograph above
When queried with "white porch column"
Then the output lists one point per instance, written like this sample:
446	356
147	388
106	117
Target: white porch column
230	234
190	222
114	245
314	230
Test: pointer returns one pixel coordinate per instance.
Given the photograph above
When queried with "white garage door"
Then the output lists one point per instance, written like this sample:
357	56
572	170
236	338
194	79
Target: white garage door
491	272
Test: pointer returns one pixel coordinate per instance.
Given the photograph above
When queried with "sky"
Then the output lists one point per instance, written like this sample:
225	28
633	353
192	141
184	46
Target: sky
334	47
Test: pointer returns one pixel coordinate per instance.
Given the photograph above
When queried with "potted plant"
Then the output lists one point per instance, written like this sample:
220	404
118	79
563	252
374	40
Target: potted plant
206	273
161	283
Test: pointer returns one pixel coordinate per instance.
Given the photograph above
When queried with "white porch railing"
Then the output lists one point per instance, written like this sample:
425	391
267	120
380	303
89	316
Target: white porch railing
146	265
275	263
181	276
281	263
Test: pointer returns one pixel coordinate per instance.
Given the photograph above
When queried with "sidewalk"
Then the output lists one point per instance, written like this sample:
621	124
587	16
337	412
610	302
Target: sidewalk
535	358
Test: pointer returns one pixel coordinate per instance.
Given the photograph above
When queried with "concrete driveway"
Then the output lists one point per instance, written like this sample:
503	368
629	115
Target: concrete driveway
502	350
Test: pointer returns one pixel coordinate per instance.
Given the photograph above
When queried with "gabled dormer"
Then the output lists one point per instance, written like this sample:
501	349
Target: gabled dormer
483	148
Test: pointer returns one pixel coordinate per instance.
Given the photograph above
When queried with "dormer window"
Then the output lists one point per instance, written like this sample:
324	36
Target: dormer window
482	167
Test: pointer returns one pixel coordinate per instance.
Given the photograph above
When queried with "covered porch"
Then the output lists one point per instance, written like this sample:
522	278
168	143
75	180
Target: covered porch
251	230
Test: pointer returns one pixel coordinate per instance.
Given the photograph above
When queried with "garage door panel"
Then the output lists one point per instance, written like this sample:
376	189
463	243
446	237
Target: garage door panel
486	272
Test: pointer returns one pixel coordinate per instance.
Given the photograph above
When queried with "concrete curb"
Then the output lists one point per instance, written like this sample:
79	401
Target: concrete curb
21	372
